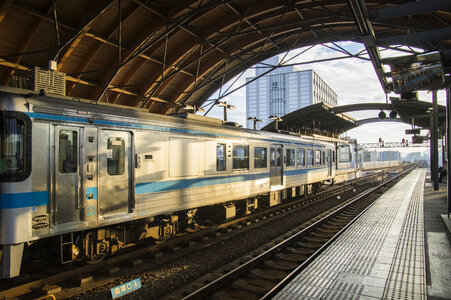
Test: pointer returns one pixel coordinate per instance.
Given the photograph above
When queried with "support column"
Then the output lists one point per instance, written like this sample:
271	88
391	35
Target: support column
434	141
448	139
443	137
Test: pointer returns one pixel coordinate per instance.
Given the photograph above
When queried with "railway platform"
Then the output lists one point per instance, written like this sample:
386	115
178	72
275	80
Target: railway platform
399	249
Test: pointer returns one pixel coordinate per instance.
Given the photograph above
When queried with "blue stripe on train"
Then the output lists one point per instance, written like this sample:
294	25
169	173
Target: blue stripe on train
302	171
164	186
42	198
24	199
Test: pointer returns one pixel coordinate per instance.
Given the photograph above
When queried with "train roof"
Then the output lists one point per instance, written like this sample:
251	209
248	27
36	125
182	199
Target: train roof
54	104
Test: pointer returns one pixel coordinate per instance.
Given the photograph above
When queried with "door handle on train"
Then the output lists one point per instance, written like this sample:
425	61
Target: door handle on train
77	192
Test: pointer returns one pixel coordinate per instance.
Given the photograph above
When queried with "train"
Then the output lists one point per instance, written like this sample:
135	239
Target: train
94	177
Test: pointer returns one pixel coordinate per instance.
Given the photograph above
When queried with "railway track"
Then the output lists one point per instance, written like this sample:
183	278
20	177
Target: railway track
263	275
66	283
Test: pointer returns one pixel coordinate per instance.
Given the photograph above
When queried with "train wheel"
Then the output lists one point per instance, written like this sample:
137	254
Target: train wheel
161	240
91	255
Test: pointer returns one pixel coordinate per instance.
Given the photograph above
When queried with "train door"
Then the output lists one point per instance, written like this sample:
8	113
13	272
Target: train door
115	154
330	162
67	174
276	165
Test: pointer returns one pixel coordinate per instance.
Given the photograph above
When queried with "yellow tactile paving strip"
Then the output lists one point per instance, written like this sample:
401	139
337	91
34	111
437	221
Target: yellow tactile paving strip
381	256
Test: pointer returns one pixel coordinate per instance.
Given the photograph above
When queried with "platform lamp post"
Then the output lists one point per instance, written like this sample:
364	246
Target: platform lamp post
255	121
276	120
226	107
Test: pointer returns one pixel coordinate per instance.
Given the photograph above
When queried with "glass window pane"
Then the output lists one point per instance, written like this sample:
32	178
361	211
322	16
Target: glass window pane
68	149
240	157
301	157
260	157
317	157
290	157
12	148
116	156
310	157
220	157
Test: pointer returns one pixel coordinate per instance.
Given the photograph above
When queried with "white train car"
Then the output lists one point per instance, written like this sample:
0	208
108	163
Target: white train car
95	176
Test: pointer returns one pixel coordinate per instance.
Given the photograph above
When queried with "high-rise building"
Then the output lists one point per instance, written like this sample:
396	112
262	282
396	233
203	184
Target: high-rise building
389	155
282	91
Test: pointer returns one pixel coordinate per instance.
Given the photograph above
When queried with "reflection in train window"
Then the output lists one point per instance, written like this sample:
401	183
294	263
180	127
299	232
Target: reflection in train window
240	157
276	157
11	146
260	157
116	156
310	157
290	158
317	157
68	146
301	157
220	157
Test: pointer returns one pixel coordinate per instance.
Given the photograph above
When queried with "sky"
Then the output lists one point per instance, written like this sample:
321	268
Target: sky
354	80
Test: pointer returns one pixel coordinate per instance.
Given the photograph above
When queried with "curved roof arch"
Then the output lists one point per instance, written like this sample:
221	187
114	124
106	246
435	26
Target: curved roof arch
160	54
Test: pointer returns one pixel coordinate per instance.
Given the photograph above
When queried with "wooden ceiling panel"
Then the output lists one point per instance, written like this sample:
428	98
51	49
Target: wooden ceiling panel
173	52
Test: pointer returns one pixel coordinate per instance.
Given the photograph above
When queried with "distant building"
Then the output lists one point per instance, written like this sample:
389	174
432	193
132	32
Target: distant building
389	155
282	91
370	156
420	157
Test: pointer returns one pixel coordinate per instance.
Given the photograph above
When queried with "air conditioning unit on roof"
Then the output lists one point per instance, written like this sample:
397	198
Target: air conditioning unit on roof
49	81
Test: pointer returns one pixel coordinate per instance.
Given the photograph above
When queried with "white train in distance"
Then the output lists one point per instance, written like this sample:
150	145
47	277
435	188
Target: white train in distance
92	178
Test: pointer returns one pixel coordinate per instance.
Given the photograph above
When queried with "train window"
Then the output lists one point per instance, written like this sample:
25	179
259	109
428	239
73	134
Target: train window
317	157
323	160
15	144
220	157
301	157
276	157
260	157
333	156
290	157
240	157
68	151
115	156
310	157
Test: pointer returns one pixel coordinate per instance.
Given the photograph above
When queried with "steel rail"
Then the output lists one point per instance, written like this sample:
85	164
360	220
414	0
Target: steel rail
89	269
230	276
310	259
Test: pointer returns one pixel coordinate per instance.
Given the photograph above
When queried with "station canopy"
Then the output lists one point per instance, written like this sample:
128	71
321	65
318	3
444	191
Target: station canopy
314	119
418	113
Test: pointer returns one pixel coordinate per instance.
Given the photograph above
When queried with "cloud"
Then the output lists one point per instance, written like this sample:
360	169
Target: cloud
354	80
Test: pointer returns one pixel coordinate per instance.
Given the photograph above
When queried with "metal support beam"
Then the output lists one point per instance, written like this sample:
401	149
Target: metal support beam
82	30
417	38
434	141
362	106
408	9
360	15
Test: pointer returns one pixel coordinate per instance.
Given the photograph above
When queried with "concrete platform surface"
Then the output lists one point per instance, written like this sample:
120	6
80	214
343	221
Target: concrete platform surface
389	253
